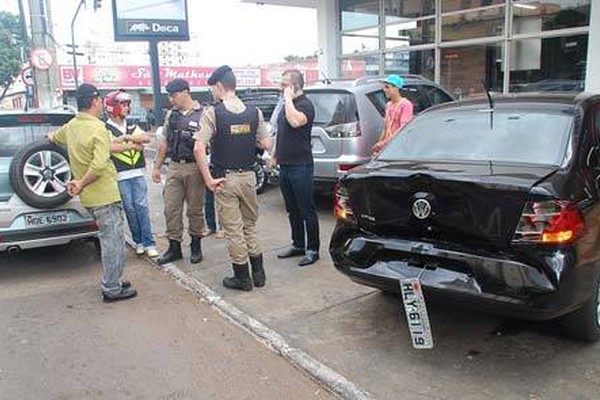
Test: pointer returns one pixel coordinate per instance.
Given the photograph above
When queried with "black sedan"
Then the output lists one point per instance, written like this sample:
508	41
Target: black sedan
489	202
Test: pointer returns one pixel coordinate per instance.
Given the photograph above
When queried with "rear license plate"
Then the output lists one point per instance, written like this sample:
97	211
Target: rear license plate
416	313
46	219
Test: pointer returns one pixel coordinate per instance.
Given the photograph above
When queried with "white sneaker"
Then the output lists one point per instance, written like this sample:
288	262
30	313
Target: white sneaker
152	252
139	249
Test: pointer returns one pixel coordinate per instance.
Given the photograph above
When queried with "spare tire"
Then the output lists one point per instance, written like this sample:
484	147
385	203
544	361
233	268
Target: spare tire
39	173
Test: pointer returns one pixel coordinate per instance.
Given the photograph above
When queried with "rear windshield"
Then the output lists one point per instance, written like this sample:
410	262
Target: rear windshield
333	108
265	100
532	136
16	131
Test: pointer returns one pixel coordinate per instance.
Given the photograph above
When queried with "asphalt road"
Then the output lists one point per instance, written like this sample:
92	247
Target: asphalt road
59	341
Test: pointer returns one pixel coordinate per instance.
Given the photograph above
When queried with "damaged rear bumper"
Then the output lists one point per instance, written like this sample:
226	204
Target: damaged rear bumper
553	286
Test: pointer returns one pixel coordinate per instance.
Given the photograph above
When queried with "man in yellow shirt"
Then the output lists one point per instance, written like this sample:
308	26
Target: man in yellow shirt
95	181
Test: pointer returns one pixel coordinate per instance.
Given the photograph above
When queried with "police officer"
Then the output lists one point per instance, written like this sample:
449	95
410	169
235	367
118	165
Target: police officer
184	182
233	131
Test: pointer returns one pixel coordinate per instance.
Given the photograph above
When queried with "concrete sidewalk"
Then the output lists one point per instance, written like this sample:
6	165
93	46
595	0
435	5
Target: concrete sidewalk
292	293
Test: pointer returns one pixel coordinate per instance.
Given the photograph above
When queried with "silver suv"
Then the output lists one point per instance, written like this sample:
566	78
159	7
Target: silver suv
35	209
349	117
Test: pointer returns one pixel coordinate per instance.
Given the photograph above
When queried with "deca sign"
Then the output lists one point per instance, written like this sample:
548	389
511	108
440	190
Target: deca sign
137	20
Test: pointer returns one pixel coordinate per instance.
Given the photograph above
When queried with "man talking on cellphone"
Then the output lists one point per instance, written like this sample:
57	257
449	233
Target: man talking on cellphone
294	155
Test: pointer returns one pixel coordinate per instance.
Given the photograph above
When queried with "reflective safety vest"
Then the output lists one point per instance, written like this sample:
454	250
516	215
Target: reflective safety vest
128	159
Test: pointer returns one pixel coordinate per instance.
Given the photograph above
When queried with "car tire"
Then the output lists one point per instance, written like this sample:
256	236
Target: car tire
39	173
262	177
584	324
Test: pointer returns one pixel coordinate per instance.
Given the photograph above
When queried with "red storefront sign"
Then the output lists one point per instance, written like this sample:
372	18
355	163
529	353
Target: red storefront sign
133	77
138	77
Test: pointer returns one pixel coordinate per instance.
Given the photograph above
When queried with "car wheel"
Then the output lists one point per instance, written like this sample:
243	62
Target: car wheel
584	324
39	173
261	178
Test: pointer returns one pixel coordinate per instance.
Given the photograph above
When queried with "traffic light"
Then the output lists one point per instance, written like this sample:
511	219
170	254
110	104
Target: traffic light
97	4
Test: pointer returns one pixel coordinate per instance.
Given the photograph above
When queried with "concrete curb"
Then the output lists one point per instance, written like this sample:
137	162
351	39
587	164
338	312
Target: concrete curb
329	378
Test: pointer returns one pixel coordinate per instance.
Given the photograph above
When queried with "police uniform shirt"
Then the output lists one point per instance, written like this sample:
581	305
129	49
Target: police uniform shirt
208	121
165	131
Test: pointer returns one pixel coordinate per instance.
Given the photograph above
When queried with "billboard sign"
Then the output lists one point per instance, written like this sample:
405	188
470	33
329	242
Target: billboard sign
140	76
140	20
133	77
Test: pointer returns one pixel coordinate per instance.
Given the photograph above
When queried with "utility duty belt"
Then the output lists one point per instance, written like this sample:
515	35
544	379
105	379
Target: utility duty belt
218	172
183	160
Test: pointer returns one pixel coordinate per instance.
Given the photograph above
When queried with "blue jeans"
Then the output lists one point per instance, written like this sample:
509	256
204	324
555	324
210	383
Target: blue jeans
112	244
209	210
296	183
134	193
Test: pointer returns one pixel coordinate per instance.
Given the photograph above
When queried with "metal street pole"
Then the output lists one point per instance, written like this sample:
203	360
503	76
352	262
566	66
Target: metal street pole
81	3
41	30
22	21
24	41
158	115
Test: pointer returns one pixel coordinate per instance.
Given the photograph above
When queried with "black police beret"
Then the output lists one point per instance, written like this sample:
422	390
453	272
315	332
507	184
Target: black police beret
218	74
86	91
177	85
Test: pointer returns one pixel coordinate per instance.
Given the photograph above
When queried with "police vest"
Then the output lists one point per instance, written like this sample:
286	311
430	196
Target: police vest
180	136
234	144
128	159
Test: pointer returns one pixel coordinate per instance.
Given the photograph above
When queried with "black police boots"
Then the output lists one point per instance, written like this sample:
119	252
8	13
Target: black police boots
241	278
172	254
258	271
195	250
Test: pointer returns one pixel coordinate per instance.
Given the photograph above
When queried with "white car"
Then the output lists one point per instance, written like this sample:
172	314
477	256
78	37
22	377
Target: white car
35	209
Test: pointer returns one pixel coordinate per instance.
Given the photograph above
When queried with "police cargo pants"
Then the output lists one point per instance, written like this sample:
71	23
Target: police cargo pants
184	185
237	209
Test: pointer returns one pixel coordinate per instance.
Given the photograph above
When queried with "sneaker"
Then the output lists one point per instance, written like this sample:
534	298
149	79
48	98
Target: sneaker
139	249
124	294
220	235
152	252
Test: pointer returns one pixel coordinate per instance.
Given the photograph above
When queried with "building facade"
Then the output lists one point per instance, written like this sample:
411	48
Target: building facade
465	45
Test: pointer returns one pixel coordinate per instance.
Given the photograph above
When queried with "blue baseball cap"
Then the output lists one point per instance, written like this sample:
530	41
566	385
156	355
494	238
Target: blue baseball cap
395	80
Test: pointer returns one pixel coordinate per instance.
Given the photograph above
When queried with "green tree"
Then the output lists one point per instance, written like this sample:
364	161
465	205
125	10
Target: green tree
11	42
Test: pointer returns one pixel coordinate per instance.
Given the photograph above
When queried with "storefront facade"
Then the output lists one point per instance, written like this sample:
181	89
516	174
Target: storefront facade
466	45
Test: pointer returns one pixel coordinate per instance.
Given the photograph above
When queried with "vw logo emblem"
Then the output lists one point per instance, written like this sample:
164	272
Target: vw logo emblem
421	209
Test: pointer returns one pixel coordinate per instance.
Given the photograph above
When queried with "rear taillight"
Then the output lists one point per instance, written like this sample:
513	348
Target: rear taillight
549	222
344	131
341	208
346	167
93	226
